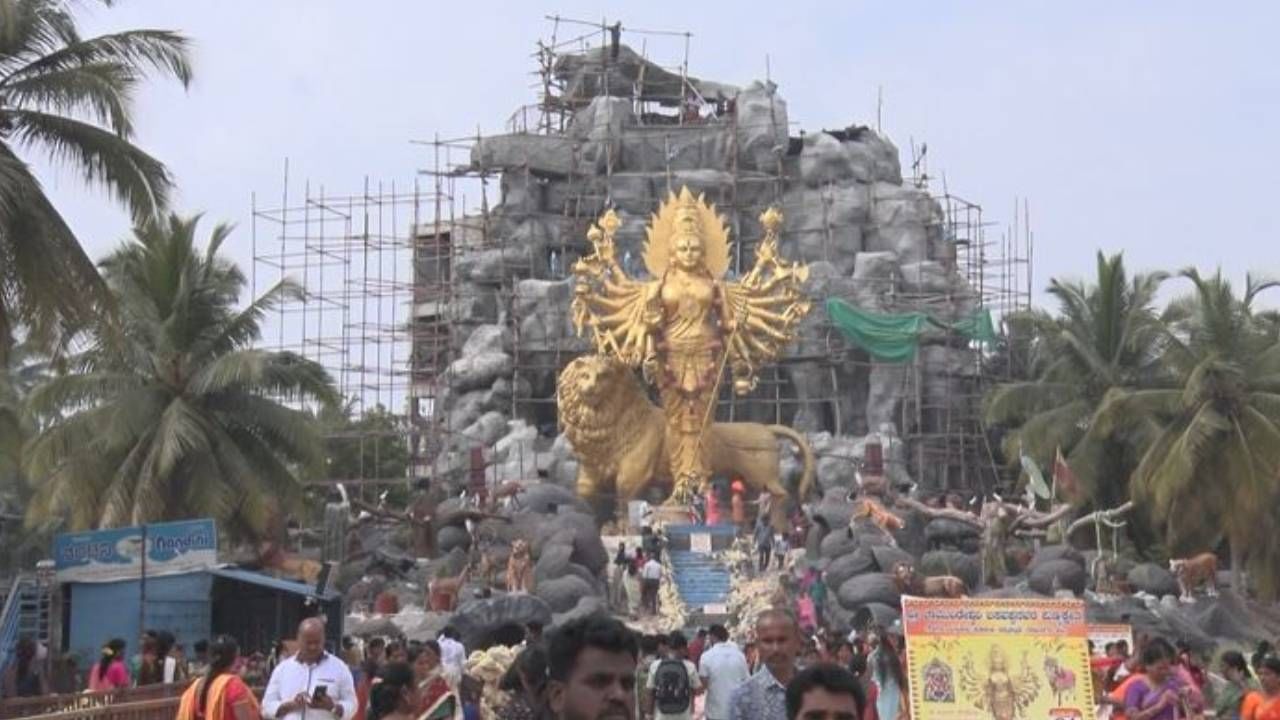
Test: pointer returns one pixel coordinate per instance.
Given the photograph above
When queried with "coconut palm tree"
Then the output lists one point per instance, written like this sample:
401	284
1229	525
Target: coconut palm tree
27	368
1105	335
18	376
1212	472
171	413
70	98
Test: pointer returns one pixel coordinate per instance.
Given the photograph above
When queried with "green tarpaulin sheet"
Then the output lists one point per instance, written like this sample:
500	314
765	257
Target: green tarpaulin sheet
893	338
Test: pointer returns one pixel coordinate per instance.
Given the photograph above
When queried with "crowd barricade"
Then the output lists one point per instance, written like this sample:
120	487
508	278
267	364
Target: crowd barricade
152	702
164	708
86	701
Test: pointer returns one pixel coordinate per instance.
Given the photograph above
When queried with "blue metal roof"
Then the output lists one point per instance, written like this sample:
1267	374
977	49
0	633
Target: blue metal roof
255	578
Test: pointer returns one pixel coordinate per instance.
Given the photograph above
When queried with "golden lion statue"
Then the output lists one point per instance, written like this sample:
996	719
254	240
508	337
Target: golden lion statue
620	438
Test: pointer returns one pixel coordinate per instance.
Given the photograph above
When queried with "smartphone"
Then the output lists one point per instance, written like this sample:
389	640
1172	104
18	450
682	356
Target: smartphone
319	692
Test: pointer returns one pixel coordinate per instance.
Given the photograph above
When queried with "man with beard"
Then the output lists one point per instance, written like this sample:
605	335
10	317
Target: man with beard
592	668
764	696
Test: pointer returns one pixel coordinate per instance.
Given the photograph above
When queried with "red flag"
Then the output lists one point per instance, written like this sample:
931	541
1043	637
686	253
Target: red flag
1064	478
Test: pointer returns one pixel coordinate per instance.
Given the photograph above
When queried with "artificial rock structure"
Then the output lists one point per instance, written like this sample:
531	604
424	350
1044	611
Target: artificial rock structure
491	319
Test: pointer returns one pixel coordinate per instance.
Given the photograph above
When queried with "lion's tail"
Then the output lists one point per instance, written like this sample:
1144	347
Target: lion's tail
806	456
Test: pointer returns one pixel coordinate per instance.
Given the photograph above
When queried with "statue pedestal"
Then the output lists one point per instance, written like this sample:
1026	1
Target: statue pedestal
671	515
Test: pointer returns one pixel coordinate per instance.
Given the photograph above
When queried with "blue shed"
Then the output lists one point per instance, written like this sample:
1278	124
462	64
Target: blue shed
255	609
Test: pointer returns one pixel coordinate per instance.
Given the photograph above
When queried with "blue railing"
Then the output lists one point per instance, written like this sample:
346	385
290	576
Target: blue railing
11	619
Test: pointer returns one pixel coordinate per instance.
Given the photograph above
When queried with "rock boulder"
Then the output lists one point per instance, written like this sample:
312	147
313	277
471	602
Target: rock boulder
869	588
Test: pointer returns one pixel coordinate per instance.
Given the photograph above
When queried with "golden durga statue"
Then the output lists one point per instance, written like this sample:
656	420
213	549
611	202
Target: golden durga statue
683	327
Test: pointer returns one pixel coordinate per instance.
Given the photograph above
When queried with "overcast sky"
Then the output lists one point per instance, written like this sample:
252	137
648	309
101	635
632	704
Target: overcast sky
1144	127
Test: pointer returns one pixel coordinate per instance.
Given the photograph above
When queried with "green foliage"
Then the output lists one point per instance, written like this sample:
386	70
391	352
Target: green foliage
26	368
1104	336
170	413
70	98
372	446
1178	410
1211	472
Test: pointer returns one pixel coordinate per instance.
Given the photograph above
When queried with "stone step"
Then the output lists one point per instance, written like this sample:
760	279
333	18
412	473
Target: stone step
691	528
700	579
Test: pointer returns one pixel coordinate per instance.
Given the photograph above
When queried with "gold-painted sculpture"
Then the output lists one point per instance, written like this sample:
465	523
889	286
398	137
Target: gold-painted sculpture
683	327
621	439
1003	695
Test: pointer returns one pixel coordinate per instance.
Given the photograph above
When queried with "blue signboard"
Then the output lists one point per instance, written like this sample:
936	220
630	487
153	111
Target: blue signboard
117	554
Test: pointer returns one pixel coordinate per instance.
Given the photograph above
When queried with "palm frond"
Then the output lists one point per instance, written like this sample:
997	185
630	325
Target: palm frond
131	175
41	255
164	51
32	29
101	91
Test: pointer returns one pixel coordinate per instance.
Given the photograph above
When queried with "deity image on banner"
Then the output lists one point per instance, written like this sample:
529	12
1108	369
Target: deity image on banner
999	691
684	326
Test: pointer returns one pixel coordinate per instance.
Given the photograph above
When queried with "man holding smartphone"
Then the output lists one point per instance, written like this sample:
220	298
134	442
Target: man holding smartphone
311	685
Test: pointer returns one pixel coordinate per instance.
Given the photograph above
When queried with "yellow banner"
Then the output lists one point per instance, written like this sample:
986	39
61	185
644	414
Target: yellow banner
998	659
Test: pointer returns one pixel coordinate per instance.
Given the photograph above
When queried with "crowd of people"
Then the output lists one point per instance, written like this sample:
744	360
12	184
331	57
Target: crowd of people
637	575
1163	681
159	660
596	667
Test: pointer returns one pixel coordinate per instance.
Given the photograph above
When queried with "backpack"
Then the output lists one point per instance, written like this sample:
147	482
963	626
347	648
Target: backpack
671	691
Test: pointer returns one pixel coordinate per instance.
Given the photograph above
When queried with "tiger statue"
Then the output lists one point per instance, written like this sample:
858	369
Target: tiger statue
869	508
1195	571
910	582
519	568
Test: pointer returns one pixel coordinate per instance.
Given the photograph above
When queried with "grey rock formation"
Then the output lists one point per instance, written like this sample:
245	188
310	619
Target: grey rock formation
1058	552
553	563
450	537
424	626
877	614
947	533
839	542
869	588
586	607
562	594
478	620
848	566
1061	574
1153	579
887	556
376	626
950	562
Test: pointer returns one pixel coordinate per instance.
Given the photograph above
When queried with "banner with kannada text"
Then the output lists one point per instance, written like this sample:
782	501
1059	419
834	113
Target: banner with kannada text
997	659
117	553
1103	635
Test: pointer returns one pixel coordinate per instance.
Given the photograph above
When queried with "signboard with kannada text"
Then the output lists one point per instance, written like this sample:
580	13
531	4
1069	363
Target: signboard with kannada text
1102	635
998	659
116	553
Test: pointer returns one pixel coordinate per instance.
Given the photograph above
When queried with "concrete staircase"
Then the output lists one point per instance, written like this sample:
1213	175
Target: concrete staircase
702	581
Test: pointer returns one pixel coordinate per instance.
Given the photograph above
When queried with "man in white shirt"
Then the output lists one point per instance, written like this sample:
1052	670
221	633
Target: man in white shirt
453	656
294	691
650	576
722	668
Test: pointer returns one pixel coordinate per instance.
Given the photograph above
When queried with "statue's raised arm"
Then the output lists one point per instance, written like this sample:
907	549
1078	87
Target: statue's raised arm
765	307
615	311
